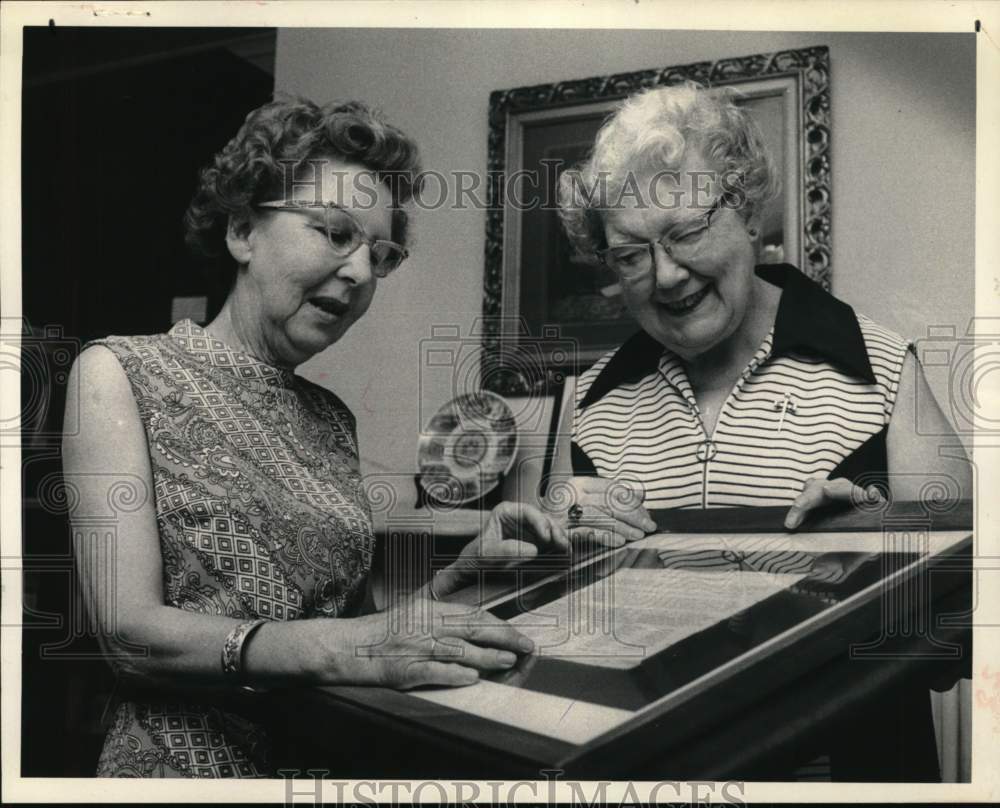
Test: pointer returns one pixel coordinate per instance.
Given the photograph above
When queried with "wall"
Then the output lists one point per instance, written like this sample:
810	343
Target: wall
903	171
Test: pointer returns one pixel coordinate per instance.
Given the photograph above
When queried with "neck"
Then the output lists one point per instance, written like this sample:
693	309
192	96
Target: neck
723	364
236	326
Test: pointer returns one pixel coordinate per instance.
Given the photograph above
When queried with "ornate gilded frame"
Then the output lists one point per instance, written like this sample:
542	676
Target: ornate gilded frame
519	360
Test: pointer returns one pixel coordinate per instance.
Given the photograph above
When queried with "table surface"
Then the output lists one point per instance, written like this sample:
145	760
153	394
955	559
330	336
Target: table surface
621	717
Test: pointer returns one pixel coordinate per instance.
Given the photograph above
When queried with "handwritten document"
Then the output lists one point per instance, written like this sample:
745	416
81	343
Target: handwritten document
618	621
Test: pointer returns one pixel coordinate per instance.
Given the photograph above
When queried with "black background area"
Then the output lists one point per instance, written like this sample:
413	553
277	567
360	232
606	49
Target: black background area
115	124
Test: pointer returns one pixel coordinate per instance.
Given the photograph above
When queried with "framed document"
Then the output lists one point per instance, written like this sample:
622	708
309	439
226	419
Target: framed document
693	654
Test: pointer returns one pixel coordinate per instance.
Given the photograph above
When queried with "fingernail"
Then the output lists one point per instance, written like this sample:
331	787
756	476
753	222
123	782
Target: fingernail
526	645
650	524
506	658
636	534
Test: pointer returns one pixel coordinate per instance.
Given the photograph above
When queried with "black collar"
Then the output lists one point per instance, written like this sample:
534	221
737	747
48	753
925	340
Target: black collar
809	320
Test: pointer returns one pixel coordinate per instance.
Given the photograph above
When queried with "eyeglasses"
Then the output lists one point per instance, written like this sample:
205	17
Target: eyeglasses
346	234
632	261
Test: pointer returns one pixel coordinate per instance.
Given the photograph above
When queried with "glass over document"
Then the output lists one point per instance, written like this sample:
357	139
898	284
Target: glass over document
650	623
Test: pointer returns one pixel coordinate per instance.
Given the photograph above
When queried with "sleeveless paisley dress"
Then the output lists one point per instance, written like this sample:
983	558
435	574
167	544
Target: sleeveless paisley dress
261	514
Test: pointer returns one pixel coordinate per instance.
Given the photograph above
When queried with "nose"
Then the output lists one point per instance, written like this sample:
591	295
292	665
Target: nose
357	267
667	271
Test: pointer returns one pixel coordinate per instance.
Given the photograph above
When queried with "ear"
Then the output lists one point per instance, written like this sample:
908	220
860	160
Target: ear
753	224
238	238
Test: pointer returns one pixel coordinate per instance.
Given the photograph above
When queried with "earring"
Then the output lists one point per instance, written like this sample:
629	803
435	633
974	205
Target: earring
753	233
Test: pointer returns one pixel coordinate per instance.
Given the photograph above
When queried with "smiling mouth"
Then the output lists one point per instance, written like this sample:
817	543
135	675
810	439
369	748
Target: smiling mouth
686	304
330	305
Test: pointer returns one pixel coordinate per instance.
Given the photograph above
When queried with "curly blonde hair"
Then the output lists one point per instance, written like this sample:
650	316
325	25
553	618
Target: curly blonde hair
288	132
652	130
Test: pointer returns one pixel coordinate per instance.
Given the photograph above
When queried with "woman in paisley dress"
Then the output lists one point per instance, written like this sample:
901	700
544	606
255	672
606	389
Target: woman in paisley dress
245	518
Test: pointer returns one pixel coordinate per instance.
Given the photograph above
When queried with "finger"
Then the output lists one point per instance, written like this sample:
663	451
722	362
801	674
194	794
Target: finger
638	519
625	500
818	493
629	527
431	672
519	673
621	499
811	496
543	527
595	516
525	522
604	538
840	489
453	649
510	551
618	533
486	630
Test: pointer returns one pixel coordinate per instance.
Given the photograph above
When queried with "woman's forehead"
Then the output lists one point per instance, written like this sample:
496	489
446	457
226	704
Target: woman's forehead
348	185
691	184
661	199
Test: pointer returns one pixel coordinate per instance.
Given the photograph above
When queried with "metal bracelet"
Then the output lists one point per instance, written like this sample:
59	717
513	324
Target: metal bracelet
232	652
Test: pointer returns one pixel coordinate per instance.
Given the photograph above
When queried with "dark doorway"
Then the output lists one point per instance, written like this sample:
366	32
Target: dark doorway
116	123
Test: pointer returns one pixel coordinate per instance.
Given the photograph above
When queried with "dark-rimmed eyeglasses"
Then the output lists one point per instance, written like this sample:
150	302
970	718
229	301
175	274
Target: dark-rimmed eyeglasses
346	234
633	261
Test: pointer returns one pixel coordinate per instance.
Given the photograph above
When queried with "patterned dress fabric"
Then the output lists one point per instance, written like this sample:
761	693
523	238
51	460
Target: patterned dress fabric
261	514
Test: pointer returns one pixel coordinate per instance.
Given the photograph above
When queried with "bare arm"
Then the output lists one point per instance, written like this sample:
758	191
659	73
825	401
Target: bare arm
183	648
917	459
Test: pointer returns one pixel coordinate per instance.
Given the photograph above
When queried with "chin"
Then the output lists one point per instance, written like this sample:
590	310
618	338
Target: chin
691	344
309	344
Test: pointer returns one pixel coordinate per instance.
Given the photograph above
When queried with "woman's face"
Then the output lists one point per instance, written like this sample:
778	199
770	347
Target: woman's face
294	295
693	304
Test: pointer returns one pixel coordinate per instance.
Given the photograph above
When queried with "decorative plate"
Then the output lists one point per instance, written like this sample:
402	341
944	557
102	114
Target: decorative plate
466	448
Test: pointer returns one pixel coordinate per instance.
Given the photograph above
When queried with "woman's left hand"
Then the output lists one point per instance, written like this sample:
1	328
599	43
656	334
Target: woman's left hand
818	493
515	532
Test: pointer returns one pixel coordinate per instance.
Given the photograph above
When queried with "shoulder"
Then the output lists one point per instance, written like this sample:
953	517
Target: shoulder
100	377
630	363
100	403
589	376
888	354
131	351
878	338
325	401
136	358
886	349
112	365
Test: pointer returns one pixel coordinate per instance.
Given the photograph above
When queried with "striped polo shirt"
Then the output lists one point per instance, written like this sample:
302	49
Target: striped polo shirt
815	399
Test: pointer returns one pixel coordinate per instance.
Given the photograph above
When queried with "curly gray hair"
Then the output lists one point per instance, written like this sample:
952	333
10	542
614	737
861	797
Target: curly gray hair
652	130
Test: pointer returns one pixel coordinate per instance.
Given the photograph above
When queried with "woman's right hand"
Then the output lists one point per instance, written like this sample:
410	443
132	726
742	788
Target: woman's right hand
418	642
609	512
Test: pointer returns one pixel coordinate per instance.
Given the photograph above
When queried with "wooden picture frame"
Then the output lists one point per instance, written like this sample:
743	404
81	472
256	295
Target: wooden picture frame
549	312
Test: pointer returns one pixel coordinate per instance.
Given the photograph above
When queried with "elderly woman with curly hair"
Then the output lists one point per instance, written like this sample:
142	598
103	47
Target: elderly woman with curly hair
747	384
249	520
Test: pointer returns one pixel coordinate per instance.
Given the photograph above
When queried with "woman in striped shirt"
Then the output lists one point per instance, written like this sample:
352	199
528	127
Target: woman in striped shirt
747	385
